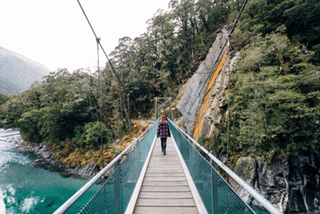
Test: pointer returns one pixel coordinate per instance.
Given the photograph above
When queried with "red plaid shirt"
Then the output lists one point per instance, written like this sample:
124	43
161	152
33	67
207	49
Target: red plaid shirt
163	129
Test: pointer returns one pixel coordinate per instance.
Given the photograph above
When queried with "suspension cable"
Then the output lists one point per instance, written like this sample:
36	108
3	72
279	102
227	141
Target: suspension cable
98	69
100	93
209	73
238	17
98	41
214	64
112	68
229	70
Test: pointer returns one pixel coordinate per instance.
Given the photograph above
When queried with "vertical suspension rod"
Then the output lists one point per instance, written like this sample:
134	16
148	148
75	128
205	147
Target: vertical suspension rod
100	92
112	68
229	70
98	40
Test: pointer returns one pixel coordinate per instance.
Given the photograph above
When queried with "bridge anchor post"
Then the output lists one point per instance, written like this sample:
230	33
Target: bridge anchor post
156	114
170	110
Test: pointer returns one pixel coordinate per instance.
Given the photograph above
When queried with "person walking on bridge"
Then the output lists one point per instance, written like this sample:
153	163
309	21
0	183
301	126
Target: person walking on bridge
163	132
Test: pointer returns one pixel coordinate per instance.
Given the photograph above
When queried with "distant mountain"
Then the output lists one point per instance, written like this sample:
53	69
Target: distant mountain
17	72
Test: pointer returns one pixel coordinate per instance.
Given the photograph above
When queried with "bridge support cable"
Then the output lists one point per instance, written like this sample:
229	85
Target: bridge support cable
264	202
112	68
98	41
128	102
130	166
100	94
156	108
222	49
228	115
207	79
229	70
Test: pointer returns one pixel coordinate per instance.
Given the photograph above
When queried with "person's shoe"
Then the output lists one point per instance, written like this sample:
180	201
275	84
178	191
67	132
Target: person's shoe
164	152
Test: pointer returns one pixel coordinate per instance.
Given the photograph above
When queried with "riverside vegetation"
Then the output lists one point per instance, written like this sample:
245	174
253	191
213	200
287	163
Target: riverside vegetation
275	91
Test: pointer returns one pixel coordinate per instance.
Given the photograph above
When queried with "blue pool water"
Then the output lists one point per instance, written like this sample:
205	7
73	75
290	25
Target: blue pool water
25	188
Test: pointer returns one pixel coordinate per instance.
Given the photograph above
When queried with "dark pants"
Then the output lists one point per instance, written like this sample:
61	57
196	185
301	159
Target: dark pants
163	143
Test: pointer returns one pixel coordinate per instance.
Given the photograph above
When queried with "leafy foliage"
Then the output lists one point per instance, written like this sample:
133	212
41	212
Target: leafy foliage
93	134
52	110
160	60
3	98
276	92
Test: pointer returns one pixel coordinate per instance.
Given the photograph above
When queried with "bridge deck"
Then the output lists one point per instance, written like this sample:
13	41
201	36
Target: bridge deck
165	188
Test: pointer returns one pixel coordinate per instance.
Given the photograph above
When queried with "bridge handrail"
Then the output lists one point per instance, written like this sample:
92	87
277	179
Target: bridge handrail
264	202
63	208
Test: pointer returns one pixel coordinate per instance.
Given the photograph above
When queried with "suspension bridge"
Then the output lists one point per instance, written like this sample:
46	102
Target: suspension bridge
144	180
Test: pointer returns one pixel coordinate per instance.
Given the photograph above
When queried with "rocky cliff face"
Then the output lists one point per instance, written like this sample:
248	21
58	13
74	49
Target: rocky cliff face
292	185
192	94
17	73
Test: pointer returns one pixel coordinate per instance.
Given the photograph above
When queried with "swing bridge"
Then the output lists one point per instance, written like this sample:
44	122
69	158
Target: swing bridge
143	180
182	181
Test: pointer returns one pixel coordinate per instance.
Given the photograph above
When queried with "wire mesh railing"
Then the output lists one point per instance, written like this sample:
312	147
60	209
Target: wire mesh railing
114	194
215	192
116	191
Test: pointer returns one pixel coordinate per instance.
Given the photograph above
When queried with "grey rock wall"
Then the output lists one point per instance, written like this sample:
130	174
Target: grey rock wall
292	185
191	95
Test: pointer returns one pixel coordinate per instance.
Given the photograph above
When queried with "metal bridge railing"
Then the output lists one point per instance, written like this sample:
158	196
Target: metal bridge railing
114	194
215	192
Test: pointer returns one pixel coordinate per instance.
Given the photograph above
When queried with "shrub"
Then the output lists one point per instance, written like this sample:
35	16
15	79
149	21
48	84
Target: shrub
92	134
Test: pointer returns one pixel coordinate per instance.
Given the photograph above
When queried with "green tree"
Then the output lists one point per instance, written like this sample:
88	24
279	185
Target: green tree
3	98
276	99
93	135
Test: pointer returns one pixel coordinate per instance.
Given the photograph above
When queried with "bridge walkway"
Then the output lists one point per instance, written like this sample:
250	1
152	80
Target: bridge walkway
147	181
165	187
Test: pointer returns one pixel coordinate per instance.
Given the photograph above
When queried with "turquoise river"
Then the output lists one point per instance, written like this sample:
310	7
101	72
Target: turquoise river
25	188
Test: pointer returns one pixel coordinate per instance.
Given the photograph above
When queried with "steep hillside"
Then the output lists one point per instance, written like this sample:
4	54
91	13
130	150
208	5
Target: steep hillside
272	142
17	72
191	96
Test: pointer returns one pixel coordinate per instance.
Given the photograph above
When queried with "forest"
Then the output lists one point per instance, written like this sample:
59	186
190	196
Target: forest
275	92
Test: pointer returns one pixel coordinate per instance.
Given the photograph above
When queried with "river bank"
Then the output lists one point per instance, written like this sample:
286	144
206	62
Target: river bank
45	159
27	188
78	164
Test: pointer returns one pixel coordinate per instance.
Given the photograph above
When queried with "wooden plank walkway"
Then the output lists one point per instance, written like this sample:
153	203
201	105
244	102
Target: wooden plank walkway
165	188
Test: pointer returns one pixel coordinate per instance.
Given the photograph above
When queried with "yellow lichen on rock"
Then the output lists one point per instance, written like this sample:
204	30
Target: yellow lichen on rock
207	97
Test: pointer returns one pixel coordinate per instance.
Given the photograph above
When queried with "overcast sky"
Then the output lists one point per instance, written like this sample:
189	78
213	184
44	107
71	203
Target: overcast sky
56	34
